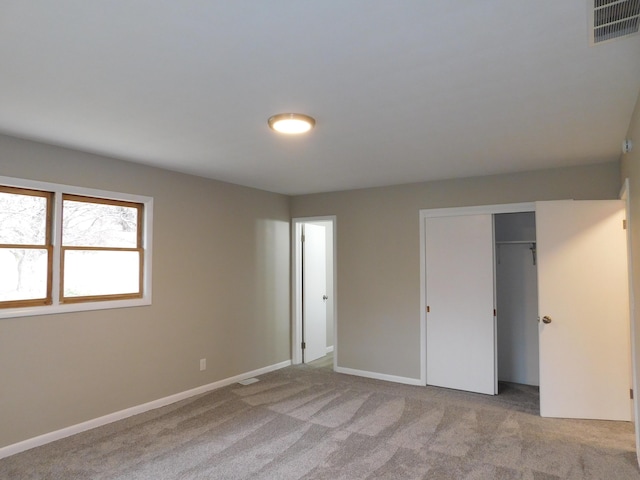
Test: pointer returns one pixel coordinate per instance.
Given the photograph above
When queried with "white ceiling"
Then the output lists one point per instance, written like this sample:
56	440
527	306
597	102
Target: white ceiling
402	91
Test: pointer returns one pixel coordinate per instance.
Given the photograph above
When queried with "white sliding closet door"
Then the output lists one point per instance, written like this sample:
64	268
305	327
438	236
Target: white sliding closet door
460	300
585	355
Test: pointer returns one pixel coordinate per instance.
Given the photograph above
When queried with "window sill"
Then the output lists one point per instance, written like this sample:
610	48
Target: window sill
72	307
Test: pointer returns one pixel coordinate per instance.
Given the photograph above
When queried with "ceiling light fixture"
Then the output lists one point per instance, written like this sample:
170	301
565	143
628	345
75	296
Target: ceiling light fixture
291	123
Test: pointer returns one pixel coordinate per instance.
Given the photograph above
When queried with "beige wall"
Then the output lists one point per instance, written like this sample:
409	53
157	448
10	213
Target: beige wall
631	169
378	277
220	292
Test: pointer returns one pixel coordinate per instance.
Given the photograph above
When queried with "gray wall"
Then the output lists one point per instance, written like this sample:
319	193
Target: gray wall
221	284
220	291
378	268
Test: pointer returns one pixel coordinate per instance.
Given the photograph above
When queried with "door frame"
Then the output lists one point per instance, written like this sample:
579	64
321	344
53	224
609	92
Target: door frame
448	212
296	287
625	195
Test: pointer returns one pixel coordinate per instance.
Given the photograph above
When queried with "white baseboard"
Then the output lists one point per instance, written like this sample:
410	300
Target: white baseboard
380	376
128	412
330	349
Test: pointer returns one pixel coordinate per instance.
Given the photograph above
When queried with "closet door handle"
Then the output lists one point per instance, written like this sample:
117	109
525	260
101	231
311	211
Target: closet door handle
546	319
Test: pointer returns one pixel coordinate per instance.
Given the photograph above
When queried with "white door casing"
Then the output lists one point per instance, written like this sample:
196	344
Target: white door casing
583	290
460	323
314	290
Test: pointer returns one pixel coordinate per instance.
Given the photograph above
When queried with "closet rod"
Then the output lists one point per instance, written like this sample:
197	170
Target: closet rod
534	251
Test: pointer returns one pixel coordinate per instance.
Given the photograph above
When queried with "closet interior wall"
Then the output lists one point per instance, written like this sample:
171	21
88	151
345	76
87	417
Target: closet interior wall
517	298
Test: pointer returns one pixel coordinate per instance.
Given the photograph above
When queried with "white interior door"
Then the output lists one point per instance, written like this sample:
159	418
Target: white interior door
314	291
460	303
583	290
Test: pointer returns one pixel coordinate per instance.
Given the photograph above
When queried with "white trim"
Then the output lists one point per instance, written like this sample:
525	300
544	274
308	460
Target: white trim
335	292
495	305
296	285
330	349
129	412
423	300
478	209
58	189
448	212
380	376
55	187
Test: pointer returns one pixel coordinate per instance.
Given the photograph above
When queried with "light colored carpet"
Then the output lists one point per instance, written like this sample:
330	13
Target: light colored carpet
306	422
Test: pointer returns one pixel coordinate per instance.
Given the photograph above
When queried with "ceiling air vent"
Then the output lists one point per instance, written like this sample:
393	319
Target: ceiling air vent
611	19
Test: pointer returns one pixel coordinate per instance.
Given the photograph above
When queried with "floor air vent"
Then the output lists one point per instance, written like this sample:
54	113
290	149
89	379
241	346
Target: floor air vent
248	381
611	19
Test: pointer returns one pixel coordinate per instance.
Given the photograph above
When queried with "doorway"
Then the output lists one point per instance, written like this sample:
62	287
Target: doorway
314	292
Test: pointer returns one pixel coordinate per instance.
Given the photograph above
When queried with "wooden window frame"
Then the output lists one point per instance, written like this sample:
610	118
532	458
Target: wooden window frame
47	245
138	249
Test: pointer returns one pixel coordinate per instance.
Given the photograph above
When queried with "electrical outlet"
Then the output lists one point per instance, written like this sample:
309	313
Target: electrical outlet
203	364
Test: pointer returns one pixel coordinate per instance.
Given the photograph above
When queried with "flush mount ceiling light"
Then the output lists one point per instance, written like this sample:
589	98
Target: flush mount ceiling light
291	123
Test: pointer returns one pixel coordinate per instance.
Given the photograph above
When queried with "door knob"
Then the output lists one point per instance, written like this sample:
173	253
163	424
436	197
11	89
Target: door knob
324	297
546	319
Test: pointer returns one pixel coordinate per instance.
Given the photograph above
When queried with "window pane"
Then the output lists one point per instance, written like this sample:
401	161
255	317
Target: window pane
99	225
23	219
23	274
98	272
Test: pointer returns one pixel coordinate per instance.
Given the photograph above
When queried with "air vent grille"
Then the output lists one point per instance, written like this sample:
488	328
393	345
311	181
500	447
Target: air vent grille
614	19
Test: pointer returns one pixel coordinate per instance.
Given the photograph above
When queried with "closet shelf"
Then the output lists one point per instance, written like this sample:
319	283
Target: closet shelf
507	242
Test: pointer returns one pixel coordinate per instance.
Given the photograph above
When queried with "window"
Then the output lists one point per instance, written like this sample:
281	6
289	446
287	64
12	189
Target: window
25	247
67	248
101	249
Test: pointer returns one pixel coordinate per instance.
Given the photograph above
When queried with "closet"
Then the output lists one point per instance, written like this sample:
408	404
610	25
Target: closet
516	297
529	293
